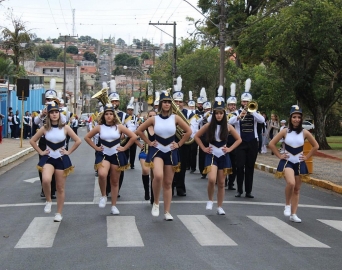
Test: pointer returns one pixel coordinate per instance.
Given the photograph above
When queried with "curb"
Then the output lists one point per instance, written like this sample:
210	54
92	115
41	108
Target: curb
320	154
312	181
15	157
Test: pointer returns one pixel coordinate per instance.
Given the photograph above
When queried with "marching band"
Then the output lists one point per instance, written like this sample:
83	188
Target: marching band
224	138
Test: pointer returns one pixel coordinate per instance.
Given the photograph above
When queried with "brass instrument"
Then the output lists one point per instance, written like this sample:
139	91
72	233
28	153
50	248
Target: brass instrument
251	107
102	96
179	131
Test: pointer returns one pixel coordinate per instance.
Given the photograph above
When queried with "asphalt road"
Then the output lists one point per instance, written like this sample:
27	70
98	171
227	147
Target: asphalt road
253	234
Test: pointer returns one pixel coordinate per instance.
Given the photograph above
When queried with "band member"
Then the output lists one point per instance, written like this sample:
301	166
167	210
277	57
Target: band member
179	177
292	162
122	116
202	98
132	125
246	153
146	171
203	121
217	161
156	102
163	155
55	158
191	149
231	111
27	125
39	121
110	155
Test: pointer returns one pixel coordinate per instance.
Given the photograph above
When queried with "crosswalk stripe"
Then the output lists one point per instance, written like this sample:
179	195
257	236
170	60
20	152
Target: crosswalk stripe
205	231
123	232
337	224
286	232
40	233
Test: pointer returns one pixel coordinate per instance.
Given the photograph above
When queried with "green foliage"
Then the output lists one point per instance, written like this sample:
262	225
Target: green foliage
6	67
124	59
89	56
145	55
68	58
48	52
72	49
120	42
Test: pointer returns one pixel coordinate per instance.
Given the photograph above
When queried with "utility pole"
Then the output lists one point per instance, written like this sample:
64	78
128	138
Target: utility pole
174	65
222	41
64	80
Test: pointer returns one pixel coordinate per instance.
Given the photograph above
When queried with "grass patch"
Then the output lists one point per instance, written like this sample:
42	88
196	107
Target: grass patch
334	139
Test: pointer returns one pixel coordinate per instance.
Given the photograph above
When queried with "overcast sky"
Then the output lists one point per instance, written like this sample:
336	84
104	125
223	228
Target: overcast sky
126	19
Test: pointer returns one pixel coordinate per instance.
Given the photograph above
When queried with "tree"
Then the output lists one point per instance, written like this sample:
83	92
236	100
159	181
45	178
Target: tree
6	68
304	42
14	39
68	58
120	42
145	55
137	42
89	56
48	52
72	49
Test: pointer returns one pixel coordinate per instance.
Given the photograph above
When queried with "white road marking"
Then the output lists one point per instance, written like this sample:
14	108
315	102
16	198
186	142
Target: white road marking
205	231
286	232
123	232
32	180
97	192
40	233
337	224
179	202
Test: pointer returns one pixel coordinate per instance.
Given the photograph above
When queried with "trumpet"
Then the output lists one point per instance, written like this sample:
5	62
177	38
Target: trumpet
251	107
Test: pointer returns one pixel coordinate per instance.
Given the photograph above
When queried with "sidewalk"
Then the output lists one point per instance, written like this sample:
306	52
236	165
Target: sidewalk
327	164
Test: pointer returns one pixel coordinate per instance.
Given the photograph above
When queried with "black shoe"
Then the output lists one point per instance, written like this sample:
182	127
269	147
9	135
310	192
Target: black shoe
192	171
187	169
119	195
249	195
42	194
132	168
238	195
181	193
53	196
204	176
231	188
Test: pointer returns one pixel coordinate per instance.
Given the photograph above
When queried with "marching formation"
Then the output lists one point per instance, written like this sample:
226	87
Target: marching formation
225	139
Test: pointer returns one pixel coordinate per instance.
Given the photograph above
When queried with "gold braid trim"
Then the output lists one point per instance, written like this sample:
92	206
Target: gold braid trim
227	171
39	168
123	168
279	174
149	164
177	168
98	165
207	170
305	177
68	170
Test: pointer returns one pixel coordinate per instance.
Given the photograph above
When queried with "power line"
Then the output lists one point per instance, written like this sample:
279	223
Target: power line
174	11
63	15
52	14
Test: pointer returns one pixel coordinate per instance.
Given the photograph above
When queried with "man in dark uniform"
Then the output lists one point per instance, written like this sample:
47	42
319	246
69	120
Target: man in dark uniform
204	120
246	153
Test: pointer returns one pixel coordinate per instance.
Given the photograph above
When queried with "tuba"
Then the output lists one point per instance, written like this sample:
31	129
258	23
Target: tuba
102	96
251	107
179	131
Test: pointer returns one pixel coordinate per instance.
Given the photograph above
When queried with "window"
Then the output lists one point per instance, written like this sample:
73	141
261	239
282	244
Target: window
57	69
51	70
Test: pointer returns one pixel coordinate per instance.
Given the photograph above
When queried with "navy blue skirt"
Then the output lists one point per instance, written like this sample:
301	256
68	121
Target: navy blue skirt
299	168
118	159
169	158
222	163
61	163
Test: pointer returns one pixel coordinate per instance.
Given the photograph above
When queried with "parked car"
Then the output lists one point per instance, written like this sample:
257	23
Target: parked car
83	120
308	126
105	74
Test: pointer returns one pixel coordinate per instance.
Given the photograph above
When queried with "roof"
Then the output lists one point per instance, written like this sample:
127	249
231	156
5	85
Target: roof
53	64
88	69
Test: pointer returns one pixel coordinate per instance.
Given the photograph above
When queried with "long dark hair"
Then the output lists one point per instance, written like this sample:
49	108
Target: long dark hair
212	127
103	120
300	127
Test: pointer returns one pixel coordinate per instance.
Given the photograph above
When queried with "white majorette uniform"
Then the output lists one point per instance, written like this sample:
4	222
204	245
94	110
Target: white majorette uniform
294	144
164	132
55	140
110	140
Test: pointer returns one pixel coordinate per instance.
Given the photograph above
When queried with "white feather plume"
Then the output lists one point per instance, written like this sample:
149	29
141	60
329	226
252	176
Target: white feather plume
248	85
220	91
190	95
131	101
53	84
232	89
179	83
203	94
175	88
112	86
157	95
104	85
